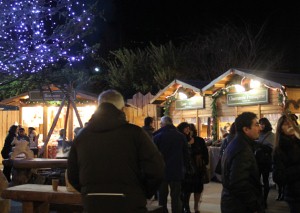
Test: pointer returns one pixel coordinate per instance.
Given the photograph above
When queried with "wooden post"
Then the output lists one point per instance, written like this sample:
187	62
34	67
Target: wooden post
66	120
52	127
76	111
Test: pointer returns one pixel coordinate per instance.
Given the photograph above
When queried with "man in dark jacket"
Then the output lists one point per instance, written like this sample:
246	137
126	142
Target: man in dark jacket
173	146
242	190
112	163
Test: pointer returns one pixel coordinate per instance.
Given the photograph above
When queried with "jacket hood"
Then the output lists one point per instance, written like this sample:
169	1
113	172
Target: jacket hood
107	117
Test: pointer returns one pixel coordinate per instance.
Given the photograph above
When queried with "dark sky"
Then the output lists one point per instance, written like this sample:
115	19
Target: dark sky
133	23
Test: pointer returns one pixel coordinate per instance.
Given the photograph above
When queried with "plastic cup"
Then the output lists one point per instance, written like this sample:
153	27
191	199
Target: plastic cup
55	184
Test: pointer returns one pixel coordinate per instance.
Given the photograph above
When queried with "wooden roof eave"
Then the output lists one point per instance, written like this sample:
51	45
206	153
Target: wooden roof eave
211	86
155	99
15	101
262	80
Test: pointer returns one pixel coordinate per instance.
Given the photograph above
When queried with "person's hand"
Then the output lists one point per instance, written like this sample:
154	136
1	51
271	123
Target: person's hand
191	141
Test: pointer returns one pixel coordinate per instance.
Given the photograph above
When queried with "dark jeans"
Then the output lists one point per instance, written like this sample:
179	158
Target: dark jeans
175	191
266	187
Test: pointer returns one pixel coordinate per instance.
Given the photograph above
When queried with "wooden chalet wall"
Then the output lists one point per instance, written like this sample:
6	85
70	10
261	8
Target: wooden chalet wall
139	107
7	119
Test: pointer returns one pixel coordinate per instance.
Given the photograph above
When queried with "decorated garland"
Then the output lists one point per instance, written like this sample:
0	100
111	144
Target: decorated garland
214	111
168	104
56	103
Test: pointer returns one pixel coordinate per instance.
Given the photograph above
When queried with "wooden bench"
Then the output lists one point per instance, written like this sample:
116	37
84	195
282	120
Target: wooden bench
38	198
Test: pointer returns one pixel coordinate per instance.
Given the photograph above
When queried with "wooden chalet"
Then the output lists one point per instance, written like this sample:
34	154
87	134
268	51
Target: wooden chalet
264	94
38	109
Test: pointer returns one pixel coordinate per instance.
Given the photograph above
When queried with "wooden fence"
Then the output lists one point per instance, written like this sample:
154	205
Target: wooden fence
139	107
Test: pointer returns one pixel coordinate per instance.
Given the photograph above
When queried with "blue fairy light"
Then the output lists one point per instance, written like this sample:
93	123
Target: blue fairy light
36	34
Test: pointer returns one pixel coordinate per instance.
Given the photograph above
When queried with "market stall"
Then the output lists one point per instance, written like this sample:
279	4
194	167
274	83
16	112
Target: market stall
39	110
184	102
265	93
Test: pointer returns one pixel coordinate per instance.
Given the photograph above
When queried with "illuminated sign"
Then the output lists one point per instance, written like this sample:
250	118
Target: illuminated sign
252	97
191	103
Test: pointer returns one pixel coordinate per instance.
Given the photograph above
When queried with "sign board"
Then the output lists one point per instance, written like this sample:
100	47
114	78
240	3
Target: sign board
191	103
48	96
251	97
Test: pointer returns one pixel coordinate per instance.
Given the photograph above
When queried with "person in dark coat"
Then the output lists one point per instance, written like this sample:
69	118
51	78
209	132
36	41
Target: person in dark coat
286	165
173	146
114	164
189	180
200	158
263	154
242	190
7	148
148	126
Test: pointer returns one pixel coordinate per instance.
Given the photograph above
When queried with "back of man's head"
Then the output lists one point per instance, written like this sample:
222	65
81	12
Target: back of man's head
148	121
166	120
113	97
244	120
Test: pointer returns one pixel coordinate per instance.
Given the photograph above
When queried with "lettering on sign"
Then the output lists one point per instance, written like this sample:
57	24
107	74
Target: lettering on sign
252	97
48	96
191	103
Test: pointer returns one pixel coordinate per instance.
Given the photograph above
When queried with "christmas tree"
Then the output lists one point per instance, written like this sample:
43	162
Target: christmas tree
37	34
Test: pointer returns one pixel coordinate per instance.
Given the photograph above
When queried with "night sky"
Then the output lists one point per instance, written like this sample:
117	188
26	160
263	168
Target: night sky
135	23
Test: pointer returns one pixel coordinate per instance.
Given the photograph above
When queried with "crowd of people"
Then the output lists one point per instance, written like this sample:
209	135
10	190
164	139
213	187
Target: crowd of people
117	166
19	133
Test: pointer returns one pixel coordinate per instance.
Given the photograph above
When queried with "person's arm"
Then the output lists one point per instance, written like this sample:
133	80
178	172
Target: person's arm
205	153
151	164
73	169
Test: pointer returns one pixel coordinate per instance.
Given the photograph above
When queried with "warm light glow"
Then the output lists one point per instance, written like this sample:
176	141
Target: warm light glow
32	116
254	84
182	96
239	88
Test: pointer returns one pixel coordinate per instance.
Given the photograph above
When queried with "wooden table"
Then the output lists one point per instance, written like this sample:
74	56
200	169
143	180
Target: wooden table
37	198
36	163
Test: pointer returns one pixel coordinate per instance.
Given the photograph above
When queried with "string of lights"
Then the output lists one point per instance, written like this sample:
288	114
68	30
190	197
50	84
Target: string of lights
35	34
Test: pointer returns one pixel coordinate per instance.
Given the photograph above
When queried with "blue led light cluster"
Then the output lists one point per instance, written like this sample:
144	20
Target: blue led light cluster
35	34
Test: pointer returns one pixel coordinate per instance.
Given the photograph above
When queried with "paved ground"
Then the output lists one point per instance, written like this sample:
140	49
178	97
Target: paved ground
210	201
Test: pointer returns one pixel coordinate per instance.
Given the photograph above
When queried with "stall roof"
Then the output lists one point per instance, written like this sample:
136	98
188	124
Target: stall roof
15	101
194	85
270	79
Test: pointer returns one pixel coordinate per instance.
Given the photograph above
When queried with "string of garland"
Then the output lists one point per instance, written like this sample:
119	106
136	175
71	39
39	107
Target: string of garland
168	104
214	112
57	103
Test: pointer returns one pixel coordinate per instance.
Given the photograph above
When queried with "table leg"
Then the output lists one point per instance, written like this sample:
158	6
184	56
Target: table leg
35	207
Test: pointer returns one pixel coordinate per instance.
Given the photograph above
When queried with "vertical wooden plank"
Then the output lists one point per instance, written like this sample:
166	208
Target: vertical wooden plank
45	122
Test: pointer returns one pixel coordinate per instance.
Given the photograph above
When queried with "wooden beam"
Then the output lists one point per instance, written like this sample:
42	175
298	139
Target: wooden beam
219	85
